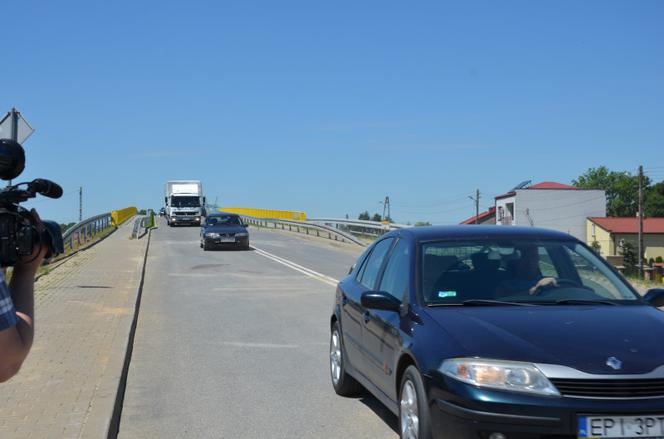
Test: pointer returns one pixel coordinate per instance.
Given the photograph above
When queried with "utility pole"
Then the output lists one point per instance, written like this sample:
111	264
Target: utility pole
641	222
80	204
476	199
386	208
389	214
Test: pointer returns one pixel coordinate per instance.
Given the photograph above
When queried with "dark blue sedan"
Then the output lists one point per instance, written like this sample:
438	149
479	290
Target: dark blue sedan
493	332
224	230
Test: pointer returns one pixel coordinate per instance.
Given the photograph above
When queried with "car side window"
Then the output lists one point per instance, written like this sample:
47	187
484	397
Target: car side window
371	268
360	264
396	276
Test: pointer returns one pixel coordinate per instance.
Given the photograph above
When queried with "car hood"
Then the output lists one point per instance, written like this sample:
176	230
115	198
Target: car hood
225	229
581	337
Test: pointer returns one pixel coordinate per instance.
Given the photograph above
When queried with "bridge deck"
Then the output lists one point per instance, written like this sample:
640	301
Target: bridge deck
234	344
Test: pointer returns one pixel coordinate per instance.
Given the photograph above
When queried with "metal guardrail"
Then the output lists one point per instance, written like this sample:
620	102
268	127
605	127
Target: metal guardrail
143	222
303	227
358	227
85	230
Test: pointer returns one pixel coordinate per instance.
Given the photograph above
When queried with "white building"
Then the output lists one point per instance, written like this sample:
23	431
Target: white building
551	205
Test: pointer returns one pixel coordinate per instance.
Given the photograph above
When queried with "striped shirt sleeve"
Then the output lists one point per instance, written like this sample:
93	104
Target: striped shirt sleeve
7	312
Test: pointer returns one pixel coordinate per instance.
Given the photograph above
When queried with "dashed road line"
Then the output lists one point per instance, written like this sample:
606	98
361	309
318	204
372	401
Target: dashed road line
292	265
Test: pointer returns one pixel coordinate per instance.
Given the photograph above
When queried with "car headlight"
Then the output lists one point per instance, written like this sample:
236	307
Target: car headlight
503	375
211	235
242	234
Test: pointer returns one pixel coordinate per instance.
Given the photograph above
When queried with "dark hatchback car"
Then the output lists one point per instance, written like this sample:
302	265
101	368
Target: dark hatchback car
224	230
499	332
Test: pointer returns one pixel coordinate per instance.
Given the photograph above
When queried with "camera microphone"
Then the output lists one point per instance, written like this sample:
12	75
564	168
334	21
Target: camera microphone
46	187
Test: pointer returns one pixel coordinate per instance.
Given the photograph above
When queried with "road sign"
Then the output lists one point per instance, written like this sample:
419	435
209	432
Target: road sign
23	128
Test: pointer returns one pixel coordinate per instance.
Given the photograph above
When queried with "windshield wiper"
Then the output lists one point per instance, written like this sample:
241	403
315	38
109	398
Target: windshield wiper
487	302
583	302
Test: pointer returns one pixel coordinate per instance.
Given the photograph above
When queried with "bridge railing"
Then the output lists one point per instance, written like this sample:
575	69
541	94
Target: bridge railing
142	224
358	227
92	229
303	227
86	230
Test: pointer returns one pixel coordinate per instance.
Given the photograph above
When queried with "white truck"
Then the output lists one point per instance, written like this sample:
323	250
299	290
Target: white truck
185	203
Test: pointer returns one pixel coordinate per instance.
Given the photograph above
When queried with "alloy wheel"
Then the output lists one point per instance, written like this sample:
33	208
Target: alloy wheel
335	357
410	421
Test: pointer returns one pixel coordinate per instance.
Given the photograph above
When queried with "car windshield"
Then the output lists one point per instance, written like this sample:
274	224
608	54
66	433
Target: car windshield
223	220
544	272
185	201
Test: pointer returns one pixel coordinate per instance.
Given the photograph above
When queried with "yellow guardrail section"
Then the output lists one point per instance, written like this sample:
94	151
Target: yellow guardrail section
267	213
120	216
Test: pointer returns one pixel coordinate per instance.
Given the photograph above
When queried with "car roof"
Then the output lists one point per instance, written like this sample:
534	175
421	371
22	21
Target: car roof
222	214
435	233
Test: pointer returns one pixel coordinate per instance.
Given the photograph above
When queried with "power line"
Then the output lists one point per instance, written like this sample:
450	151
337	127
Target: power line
476	199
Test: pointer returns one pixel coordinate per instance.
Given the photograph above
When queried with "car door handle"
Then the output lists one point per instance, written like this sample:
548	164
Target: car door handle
367	316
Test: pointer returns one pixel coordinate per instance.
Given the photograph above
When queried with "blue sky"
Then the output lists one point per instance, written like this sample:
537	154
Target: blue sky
327	107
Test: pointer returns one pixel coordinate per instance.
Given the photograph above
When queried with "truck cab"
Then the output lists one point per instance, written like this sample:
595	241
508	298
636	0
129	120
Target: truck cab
184	202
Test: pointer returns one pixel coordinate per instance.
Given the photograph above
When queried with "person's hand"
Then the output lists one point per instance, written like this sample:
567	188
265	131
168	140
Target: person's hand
31	263
545	282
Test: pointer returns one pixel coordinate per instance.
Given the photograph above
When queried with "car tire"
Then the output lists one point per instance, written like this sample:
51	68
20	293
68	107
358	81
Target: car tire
206	247
343	383
414	418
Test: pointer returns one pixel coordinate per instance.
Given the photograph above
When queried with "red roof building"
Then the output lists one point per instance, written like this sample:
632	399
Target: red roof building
629	224
550	205
610	233
551	185
487	217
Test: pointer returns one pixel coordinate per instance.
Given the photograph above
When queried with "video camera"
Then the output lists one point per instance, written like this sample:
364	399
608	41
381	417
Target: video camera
18	233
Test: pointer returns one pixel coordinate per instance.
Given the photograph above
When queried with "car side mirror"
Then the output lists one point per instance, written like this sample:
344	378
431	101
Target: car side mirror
245	224
655	297
380	300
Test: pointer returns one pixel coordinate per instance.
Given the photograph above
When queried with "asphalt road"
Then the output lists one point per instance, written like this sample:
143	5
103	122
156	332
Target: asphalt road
234	344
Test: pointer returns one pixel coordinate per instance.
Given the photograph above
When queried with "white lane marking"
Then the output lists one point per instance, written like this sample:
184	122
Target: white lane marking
304	270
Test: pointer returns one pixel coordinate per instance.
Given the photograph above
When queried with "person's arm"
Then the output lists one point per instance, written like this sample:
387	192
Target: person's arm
16	340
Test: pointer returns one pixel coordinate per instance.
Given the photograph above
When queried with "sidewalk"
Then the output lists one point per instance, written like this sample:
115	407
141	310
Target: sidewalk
83	311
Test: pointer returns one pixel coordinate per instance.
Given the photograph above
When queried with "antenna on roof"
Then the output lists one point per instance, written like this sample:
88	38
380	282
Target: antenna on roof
522	185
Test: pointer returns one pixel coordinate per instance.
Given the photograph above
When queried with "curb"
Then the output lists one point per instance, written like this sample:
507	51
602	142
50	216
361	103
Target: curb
114	423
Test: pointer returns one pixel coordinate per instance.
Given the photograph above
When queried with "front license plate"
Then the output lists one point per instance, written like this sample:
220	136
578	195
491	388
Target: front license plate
624	427
226	239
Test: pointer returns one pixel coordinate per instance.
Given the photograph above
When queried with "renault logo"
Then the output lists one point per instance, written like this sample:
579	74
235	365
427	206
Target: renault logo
614	363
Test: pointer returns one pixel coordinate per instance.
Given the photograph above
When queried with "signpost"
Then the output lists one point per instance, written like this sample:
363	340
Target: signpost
13	126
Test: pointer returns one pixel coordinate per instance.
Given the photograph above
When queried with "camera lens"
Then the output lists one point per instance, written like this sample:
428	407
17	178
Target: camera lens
12	159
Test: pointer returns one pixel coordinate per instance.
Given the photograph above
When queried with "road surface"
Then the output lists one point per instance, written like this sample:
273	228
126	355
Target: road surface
234	344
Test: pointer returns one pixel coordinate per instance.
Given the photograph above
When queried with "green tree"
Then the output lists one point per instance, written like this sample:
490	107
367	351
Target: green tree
654	200
64	227
622	189
630	258
364	216
422	223
597	247
376	217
